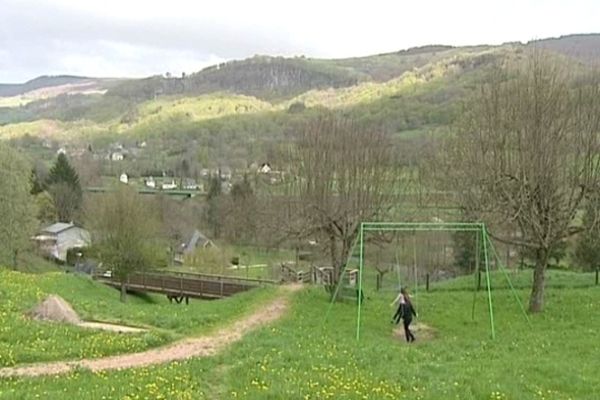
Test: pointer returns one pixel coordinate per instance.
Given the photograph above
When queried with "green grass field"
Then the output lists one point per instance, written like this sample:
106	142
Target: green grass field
23	340
305	357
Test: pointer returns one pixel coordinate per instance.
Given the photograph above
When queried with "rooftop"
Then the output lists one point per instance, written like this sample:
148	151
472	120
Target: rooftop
58	227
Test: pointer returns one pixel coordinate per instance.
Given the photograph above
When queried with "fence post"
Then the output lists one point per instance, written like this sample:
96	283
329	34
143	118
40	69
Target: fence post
597	270
478	280
378	285
427	282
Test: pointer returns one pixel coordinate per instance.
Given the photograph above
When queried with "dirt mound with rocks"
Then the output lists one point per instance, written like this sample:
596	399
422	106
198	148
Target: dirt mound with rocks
55	308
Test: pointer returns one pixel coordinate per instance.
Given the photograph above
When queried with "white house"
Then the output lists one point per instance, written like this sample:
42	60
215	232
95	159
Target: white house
124	178
265	168
190	184
169	185
150	183
117	156
56	239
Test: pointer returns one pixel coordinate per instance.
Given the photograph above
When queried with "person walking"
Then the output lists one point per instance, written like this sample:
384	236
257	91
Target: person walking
407	312
400	300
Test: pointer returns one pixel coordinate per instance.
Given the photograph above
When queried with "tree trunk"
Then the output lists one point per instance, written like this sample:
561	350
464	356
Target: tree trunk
536	301
15	259
337	268
123	292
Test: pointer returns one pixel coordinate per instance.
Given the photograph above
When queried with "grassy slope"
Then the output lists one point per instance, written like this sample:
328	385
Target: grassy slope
420	99
302	357
403	72
176	116
23	340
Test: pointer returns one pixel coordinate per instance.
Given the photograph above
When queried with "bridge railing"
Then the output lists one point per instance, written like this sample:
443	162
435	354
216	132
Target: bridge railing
186	284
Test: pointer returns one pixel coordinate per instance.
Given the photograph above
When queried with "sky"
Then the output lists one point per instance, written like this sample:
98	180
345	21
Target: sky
127	38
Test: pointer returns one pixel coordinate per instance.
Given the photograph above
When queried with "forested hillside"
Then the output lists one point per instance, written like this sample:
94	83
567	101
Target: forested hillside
237	111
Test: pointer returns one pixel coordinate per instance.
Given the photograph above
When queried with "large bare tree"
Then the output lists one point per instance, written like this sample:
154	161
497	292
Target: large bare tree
527	152
126	233
341	174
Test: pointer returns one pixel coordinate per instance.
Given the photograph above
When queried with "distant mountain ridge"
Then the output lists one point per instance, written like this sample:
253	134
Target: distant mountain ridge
584	47
267	77
276	80
15	89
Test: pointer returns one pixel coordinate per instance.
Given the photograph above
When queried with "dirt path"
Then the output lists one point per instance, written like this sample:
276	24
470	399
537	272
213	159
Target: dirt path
188	348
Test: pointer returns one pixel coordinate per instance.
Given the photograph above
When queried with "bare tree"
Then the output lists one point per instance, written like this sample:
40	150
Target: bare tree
341	175
66	201
125	233
526	153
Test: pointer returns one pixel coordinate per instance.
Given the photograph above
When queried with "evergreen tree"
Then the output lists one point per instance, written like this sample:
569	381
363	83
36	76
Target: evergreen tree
64	186
63	172
241	213
212	210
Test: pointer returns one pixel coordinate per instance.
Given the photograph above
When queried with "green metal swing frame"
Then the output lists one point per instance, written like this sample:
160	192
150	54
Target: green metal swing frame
485	244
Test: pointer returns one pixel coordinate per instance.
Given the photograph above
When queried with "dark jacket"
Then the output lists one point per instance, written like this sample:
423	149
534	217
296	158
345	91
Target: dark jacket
407	310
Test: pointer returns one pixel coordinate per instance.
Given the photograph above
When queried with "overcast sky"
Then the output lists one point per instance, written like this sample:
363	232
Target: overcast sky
140	38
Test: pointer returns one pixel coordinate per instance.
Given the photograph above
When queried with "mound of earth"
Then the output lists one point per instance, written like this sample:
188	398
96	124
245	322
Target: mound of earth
421	331
55	308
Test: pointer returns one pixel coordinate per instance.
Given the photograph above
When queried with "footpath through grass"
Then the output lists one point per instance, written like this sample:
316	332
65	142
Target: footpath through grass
23	340
557	357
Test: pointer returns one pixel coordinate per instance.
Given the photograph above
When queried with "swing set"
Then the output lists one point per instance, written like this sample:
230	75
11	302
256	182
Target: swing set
485	250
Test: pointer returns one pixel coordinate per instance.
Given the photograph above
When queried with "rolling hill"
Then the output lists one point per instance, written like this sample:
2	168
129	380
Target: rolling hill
8	90
259	99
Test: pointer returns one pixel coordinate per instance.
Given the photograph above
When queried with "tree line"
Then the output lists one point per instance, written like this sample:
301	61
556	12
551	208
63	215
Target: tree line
523	156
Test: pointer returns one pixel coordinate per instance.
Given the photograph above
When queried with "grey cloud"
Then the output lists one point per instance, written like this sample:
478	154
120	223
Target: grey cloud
34	40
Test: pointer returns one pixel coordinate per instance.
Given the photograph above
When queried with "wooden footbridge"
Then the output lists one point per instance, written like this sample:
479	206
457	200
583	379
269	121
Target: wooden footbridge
180	286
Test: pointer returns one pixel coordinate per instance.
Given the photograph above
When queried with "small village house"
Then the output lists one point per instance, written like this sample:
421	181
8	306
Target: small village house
265	168
196	241
169	185
117	156
55	240
150	182
190	184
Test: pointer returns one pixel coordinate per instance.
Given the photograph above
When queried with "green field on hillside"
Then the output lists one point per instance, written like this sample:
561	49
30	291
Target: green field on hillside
23	340
305	357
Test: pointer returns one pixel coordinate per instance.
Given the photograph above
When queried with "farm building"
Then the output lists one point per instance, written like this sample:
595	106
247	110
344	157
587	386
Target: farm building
197	241
54	240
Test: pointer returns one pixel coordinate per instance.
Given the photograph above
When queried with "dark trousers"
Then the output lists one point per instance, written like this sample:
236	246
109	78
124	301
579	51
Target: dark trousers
409	336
